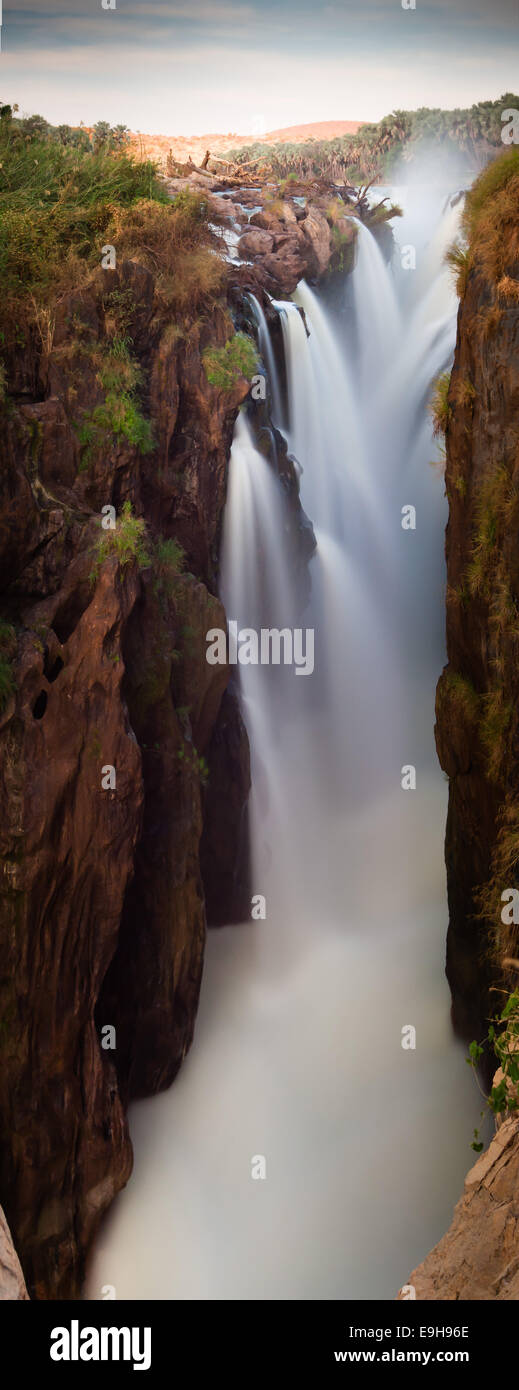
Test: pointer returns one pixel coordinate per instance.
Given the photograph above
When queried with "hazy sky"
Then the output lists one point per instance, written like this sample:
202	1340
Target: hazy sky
196	66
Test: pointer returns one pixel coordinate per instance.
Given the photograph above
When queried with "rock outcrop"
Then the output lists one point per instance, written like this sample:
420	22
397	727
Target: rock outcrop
478	694
279	240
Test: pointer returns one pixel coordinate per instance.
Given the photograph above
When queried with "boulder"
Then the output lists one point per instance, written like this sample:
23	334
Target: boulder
255	243
317	235
285	267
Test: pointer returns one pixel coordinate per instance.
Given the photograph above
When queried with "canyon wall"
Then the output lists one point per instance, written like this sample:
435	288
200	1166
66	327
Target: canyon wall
477	708
124	761
103	910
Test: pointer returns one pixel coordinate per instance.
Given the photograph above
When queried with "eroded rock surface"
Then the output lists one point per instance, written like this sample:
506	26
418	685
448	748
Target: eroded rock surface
12	1282
478	1258
102	918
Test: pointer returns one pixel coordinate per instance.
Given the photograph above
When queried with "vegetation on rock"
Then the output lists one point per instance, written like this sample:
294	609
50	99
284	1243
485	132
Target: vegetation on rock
503	1039
128	541
224	366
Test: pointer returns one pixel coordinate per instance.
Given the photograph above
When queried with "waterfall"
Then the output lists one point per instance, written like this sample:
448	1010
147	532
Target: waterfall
266	350
298	1051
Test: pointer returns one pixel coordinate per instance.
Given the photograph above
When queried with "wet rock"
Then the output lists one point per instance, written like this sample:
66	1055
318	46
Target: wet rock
255	243
317	234
283	268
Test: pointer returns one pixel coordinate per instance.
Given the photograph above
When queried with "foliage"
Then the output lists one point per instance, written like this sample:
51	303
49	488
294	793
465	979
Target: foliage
503	1038
465	694
497	716
127	542
439	407
471	135
223	366
493	513
58	195
457	257
490	222
168	562
173	241
119	417
192	759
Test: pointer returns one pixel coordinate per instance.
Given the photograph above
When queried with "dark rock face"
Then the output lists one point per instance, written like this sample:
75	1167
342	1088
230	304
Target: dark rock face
224	855
102	917
105	887
477	695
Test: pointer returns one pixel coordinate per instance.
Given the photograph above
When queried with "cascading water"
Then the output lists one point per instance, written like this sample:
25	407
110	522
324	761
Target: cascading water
297	1053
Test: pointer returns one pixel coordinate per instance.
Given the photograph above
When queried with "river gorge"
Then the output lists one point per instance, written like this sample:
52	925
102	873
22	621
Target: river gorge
299	1053
230	421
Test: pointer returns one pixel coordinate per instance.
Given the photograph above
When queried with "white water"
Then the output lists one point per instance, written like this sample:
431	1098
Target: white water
297	1051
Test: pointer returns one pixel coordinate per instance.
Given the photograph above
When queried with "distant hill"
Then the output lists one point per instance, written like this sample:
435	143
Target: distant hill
183	146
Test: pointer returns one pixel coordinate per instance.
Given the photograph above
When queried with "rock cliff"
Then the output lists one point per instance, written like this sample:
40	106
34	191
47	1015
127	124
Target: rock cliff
124	761
103	911
477	705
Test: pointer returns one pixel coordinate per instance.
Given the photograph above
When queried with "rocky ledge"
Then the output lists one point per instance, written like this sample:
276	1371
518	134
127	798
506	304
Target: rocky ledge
277	235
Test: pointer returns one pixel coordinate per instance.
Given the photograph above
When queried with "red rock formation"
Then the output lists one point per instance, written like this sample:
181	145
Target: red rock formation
102	918
477	713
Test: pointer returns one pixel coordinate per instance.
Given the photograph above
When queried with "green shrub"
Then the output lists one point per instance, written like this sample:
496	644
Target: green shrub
168	561
224	366
192	759
128	542
503	1038
118	371
118	418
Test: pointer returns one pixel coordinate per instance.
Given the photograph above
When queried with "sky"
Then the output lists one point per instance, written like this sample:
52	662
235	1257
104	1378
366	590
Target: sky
191	67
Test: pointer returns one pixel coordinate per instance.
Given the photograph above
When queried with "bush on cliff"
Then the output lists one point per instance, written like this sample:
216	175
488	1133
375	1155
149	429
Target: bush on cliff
173	242
225	365
439	408
61	202
490	221
503	1040
119	417
129	541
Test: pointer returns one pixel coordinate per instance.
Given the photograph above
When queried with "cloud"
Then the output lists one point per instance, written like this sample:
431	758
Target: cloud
188	66
200	89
